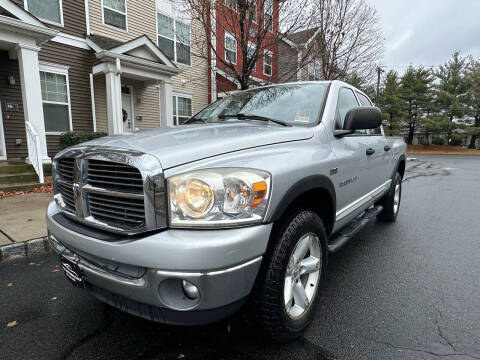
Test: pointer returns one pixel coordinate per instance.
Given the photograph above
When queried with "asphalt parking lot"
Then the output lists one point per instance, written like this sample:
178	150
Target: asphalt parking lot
409	290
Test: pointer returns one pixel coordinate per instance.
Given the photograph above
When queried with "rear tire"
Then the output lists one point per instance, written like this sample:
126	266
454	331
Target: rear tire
391	201
293	271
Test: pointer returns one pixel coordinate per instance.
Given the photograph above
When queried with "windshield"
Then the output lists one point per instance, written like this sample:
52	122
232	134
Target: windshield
296	104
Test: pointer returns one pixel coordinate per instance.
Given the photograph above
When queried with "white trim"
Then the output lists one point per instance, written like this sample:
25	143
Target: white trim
227	34
20	13
132	109
175	37
3	146
87	17
61	70
60	3
119	12
143	41
71	40
53	68
92	98
289	42
265	52
350	208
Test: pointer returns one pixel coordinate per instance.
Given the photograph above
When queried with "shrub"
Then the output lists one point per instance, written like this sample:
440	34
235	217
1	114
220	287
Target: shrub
456	140
424	142
437	140
74	138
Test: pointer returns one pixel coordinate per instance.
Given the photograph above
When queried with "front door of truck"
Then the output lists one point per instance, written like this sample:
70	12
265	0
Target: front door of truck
380	162
351	180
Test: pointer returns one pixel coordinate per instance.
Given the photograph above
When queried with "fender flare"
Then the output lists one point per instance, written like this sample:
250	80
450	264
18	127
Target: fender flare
397	164
313	182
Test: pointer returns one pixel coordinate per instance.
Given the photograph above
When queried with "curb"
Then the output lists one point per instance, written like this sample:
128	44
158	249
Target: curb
27	248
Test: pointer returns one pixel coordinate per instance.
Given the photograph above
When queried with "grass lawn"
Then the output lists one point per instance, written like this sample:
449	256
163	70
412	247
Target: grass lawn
440	150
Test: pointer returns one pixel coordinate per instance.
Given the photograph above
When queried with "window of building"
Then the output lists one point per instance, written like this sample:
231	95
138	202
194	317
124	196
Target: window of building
313	70
268	15
182	108
253	9
232	4
251	53
174	39
267	63
251	32
56	100
115	13
230	48
49	11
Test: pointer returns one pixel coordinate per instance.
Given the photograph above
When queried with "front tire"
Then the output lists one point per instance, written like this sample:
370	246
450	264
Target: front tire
293	272
391	201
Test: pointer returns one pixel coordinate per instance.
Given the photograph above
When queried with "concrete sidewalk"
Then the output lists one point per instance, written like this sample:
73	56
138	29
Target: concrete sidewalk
22	222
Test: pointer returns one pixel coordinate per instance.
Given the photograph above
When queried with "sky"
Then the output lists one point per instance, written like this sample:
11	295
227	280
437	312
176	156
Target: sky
427	32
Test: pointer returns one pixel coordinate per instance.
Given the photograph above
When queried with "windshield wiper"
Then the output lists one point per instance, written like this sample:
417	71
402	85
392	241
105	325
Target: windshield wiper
242	116
192	119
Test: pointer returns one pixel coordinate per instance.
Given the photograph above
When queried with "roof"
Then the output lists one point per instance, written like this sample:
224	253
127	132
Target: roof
303	36
103	42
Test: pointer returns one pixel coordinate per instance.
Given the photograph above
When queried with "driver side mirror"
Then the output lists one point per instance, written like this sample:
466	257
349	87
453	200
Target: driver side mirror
360	118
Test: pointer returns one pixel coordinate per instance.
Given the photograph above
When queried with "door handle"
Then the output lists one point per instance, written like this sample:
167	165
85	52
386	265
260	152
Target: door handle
387	148
370	151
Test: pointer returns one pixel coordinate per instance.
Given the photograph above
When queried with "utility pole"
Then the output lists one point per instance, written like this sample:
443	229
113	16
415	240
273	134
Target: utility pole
379	73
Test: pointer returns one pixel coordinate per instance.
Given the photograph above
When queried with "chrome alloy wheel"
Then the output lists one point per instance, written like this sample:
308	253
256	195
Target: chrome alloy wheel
302	276
396	199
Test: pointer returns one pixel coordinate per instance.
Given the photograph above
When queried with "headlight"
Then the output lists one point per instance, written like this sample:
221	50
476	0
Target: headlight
218	197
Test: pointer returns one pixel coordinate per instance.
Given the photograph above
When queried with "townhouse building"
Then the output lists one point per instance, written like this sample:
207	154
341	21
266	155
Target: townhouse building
225	32
93	65
300	60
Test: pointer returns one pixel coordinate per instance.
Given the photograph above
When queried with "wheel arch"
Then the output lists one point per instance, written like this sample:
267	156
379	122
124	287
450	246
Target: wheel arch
315	193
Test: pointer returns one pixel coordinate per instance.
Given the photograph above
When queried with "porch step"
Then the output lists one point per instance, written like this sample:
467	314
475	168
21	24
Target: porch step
20	186
20	178
18	167
10	167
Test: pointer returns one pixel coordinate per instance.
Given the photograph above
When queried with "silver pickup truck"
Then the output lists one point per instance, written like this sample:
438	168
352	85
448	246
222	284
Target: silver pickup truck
243	203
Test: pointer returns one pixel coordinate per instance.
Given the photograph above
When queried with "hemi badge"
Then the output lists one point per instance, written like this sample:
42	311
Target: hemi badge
333	171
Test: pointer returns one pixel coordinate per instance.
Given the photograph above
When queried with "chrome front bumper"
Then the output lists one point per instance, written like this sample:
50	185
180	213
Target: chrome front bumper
223	264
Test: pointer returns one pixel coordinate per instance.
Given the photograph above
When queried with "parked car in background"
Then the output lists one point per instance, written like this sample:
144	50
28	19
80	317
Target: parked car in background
183	225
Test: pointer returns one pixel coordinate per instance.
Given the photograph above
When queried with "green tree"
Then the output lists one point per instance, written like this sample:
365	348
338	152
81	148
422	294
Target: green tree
416	93
435	125
390	100
473	99
453	87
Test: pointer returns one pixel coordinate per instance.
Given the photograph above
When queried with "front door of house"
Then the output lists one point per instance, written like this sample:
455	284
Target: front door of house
3	151
127	108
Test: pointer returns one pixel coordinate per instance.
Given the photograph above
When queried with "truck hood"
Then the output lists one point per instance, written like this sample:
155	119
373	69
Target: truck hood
183	144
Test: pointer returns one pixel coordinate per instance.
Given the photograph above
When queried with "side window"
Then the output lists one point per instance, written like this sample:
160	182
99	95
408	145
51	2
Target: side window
365	102
346	101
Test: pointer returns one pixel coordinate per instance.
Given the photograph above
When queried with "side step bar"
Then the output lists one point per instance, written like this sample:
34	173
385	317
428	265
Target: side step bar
349	232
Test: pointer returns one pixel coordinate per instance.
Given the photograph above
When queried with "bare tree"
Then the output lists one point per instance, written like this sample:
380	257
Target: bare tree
254	27
348	39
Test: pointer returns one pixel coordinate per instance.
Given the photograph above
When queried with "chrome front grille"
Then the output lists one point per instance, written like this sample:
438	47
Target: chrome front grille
117	210
111	189
65	175
114	176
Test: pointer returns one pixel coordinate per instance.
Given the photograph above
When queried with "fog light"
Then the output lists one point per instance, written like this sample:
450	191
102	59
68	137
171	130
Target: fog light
190	290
